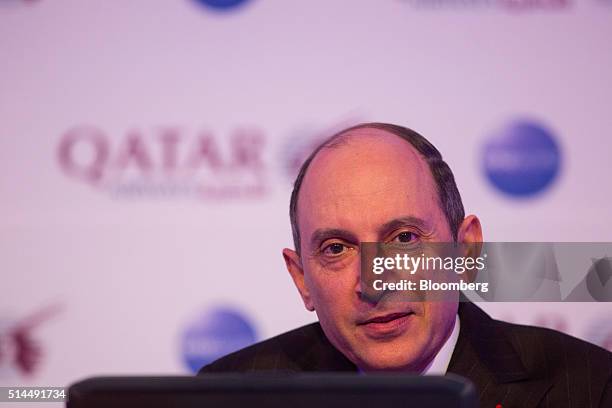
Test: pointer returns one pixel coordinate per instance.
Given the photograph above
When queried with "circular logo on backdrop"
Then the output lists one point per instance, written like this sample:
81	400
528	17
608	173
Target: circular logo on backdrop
222	4
522	159
215	333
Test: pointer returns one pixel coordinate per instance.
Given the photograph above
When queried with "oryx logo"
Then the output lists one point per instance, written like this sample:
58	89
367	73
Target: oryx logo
522	158
302	141
21	351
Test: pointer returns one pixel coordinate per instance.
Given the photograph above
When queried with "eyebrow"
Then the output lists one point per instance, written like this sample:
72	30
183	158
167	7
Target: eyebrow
323	234
396	223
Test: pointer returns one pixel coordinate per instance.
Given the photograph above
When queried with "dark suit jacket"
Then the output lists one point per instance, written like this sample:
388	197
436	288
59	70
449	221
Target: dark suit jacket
511	365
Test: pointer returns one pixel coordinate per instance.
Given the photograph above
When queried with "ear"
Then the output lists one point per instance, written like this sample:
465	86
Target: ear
470	237
293	262
470	230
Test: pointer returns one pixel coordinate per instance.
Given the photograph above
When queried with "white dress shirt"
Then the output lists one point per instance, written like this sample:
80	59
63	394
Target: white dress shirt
439	364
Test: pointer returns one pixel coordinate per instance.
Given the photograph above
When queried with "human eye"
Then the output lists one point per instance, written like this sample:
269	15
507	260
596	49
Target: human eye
403	242
406	237
334	249
335	253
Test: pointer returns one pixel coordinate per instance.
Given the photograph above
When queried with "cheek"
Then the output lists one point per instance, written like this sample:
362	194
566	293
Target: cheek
439	314
323	288
330	290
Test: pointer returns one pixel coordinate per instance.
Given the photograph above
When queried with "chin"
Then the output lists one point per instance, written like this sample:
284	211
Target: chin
391	357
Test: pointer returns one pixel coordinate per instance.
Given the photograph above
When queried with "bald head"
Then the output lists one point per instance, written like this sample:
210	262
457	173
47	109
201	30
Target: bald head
384	155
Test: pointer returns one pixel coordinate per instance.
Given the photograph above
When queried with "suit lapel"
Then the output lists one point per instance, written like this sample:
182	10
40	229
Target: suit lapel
485	355
321	355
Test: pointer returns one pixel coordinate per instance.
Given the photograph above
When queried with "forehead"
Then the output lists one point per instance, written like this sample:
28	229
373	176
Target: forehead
365	181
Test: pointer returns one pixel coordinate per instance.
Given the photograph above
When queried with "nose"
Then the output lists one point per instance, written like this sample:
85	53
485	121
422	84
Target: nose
365	277
369	297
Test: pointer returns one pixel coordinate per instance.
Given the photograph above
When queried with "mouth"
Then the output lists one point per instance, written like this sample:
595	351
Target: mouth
388	325
385	318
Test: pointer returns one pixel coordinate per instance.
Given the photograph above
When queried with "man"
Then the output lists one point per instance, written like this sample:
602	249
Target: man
384	183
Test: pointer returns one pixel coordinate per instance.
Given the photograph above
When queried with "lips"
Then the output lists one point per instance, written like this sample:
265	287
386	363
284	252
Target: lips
386	318
387	326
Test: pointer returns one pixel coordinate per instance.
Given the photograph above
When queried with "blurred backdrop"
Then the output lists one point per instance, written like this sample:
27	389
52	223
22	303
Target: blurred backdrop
147	151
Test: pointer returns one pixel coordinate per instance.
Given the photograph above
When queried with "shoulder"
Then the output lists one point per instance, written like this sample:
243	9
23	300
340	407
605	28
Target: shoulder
282	352
535	343
535	346
513	350
562	358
